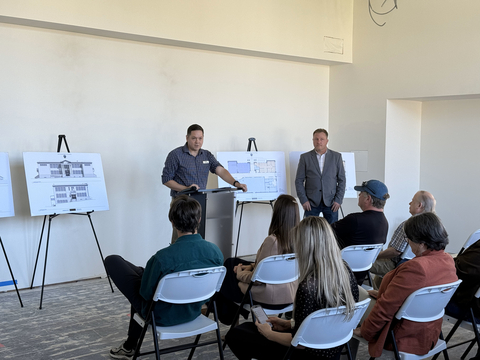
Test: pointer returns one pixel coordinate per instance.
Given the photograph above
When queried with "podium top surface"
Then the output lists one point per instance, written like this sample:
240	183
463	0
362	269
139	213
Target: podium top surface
204	191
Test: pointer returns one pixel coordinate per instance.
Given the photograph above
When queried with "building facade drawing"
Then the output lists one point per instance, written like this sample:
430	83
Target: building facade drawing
63	194
65	169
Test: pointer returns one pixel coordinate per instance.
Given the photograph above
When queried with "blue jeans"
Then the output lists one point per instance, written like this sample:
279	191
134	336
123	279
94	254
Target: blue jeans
326	211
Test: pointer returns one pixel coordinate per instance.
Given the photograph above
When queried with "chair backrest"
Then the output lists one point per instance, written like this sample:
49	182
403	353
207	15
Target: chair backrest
361	257
407	253
428	303
190	286
472	239
327	328
276	269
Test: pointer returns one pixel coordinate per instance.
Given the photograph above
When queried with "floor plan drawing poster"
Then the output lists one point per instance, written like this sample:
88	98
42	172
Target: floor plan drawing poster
262	171
61	183
6	195
350	174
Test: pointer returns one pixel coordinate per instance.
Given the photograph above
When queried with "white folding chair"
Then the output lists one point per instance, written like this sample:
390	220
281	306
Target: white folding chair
361	257
465	324
327	328
184	287
274	270
424	305
472	239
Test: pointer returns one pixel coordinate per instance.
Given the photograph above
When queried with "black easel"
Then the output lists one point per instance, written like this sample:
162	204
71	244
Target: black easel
11	272
50	218
241	203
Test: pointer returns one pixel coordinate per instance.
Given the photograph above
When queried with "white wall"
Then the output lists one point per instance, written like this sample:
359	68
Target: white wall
449	164
295	29
402	157
132	102
426	49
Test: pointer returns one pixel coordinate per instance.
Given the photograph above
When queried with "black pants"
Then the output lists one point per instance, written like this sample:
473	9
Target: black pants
230	294
128	278
246	343
230	287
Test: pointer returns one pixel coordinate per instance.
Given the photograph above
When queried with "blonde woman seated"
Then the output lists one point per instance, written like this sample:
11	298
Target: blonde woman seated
239	272
430	266
325	281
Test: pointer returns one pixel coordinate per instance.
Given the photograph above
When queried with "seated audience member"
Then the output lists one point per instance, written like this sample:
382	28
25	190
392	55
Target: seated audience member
239	272
431	266
389	258
325	281
468	270
190	251
367	227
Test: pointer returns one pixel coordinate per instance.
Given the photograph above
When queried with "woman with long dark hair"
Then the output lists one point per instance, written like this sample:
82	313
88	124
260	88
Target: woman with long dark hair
239	272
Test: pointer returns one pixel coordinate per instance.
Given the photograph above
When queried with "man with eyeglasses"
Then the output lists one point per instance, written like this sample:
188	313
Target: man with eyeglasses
389	259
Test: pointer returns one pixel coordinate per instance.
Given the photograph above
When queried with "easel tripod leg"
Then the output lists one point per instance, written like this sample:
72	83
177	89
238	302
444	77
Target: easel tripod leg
11	273
38	252
239	227
100	251
45	265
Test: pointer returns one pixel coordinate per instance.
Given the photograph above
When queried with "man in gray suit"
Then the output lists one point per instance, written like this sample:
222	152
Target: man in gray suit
320	180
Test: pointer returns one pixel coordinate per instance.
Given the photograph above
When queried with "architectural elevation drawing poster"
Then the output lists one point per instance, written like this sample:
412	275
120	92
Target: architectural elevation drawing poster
262	171
6	195
61	183
348	163
350	174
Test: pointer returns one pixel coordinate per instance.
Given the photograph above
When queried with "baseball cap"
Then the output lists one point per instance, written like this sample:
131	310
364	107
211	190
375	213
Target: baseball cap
375	188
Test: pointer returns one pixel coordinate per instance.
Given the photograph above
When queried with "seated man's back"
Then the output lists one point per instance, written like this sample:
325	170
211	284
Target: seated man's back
138	285
188	252
368	227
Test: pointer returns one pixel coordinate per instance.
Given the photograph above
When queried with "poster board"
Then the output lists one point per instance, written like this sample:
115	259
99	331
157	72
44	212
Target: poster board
350	174
62	183
263	172
6	194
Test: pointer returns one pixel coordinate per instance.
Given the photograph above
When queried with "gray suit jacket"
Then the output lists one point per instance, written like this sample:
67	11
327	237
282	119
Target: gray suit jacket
313	186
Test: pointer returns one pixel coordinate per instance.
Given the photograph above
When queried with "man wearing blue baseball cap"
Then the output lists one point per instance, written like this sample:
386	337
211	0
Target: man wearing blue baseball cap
369	226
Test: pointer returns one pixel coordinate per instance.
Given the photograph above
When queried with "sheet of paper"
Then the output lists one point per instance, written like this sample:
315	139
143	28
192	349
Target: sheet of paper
262	171
6	195
60	183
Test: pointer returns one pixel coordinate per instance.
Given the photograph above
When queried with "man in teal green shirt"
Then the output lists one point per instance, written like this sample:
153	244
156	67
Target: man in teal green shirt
190	251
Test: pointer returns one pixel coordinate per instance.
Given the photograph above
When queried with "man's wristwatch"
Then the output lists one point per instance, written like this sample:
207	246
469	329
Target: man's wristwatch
235	182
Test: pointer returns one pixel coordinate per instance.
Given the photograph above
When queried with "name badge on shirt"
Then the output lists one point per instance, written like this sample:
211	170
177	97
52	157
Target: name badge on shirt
206	162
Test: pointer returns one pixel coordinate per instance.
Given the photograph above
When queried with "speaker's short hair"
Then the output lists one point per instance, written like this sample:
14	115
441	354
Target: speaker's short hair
194	127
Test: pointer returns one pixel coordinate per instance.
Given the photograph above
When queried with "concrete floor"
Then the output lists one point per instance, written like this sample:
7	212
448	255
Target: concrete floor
84	319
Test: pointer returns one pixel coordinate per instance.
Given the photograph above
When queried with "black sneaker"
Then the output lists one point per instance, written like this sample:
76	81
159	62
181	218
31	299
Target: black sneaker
122	353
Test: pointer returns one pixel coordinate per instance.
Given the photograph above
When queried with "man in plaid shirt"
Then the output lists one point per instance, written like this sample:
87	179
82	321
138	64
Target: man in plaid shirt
188	165
389	258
